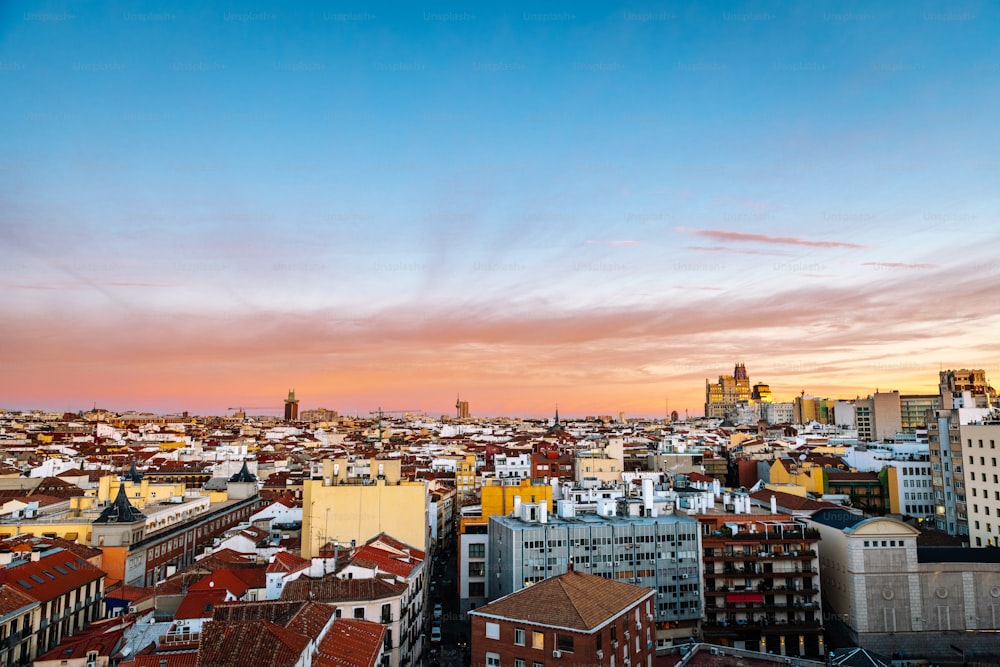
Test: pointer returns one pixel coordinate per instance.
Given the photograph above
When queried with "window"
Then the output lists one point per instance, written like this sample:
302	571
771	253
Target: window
492	660
537	640
477	569
564	643
477	551
477	589
519	635
518	662
492	630
359	612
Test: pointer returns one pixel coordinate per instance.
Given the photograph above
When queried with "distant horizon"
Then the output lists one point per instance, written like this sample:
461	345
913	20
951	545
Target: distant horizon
565	412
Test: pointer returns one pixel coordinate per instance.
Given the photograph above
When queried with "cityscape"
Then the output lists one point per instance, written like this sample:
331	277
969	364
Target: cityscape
522	334
808	531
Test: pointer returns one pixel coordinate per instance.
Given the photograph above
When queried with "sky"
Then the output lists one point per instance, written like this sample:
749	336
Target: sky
595	206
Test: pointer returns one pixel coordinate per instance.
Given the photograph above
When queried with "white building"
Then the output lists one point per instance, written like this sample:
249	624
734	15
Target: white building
982	481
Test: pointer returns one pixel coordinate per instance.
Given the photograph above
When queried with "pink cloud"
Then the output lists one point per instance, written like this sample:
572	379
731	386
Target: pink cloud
764	238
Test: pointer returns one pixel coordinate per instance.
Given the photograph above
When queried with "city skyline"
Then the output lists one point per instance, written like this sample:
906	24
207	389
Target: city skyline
598	207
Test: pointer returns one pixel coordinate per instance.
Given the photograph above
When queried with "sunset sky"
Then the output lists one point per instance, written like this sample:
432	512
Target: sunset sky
595	206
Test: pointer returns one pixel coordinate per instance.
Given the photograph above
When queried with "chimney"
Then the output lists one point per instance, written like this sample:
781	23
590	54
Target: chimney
543	512
774	504
647	495
569	565
517	507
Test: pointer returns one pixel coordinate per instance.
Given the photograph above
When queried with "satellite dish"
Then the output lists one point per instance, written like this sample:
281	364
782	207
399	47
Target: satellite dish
802	457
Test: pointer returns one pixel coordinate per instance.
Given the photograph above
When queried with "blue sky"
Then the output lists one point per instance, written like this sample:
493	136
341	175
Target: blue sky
595	205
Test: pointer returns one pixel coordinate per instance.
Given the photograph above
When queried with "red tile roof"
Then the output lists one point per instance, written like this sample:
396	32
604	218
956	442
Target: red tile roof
334	589
287	562
12	599
199	604
789	502
52	575
574	600
305	618
350	643
222	580
165	659
249	644
101	636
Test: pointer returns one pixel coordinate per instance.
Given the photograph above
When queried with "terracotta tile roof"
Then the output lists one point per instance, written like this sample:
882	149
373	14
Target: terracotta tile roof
790	502
287	562
101	636
334	589
81	550
171	659
305	618
575	600
12	599
249	644
52	575
350	643
131	593
199	604
222	580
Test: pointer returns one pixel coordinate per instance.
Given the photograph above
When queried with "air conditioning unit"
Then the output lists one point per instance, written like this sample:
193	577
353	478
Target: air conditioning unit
557	653
638	626
649	617
600	654
614	643
685	576
627	635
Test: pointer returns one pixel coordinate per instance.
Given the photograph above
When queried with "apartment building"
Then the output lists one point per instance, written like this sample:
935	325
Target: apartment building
762	588
981	476
572	618
633	540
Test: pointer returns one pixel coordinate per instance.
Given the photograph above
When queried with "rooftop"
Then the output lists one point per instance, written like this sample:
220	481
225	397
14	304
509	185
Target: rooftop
574	600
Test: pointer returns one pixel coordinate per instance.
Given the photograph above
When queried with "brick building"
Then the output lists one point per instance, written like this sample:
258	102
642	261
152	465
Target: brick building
572	619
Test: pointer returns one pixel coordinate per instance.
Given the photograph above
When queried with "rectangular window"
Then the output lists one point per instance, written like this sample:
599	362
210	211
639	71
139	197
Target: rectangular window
477	589
538	640
477	551
519	636
492	660
518	662
492	630
564	643
359	612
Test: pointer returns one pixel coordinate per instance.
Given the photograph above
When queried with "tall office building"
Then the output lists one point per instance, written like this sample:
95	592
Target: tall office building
461	408
954	385
721	398
878	417
291	407
917	410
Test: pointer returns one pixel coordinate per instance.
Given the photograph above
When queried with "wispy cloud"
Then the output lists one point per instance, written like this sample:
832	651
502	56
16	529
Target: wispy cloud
614	242
726	235
717	248
898	265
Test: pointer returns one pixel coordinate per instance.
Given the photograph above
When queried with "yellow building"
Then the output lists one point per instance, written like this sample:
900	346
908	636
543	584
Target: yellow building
465	474
498	499
807	475
139	493
342	508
